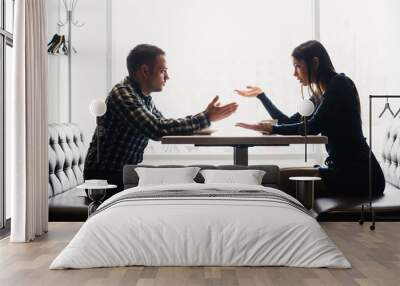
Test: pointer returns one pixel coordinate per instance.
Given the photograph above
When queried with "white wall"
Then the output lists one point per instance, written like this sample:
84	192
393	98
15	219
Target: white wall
363	38
88	64
214	47
54	104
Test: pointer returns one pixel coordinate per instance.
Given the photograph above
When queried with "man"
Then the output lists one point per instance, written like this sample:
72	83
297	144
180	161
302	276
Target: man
132	118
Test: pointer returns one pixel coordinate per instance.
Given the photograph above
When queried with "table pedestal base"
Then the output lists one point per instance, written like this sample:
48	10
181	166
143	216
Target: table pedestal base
97	196
241	155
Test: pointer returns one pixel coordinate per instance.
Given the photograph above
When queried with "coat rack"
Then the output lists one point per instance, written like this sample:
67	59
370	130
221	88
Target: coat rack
386	108
69	6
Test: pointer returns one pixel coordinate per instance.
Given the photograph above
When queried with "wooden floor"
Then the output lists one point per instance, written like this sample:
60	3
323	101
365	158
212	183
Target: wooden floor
374	255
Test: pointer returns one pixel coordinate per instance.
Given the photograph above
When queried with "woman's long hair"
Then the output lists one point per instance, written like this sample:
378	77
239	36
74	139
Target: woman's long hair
307	52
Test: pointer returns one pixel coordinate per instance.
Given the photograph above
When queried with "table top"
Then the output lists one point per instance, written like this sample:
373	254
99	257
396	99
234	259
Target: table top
305	178
252	140
93	187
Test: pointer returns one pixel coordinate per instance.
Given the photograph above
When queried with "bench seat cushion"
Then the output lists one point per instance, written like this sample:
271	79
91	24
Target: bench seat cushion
69	206
330	208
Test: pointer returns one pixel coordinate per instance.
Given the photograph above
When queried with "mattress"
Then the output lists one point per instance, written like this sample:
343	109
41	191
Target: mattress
201	225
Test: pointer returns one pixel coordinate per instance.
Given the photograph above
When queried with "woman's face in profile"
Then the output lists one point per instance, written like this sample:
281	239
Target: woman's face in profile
300	71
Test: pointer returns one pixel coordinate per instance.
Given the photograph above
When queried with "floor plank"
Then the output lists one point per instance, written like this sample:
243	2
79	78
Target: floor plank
374	255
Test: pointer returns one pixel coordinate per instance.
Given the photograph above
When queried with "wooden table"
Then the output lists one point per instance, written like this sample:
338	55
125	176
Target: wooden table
241	144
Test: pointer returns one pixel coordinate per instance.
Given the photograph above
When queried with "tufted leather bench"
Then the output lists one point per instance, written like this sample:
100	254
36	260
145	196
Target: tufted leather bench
386	206
391	155
67	152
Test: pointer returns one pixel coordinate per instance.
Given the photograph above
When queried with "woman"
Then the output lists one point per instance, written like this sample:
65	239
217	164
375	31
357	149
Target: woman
336	115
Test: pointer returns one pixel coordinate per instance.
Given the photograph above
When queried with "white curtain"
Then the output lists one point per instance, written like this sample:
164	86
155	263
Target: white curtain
26	119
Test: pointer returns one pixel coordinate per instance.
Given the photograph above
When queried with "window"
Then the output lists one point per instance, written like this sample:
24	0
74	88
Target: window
8	73
6	43
209	54
367	52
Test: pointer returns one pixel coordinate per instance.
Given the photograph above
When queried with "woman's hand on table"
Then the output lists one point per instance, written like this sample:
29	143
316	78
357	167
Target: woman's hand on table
251	91
215	111
261	127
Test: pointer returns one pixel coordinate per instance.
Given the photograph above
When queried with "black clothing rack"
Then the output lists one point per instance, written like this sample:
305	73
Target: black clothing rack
373	216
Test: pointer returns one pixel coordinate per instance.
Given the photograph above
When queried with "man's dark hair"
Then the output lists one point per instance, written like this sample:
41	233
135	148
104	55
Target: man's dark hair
142	54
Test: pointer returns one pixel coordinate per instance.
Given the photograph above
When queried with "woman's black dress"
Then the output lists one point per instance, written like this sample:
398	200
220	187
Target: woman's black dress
337	117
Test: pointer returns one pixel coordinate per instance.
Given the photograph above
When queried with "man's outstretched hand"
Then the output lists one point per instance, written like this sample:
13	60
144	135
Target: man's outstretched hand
215	111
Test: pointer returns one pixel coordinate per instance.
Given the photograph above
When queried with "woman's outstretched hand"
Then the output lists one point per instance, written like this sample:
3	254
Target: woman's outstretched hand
261	127
251	91
215	111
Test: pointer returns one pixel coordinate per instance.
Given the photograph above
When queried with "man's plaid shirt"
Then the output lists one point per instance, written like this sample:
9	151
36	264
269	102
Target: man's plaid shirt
130	121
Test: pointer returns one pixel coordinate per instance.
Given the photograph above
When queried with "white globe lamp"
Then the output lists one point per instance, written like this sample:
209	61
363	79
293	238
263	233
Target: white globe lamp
97	108
306	107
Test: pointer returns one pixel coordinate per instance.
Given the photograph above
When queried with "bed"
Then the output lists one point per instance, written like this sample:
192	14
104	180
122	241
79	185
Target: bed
201	224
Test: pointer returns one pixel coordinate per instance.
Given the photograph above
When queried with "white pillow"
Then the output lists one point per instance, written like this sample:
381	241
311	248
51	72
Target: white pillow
165	176
248	177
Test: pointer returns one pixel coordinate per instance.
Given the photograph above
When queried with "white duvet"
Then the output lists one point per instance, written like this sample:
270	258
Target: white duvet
200	231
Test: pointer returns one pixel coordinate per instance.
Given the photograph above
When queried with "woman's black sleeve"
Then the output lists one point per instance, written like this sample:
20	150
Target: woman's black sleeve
276	113
325	111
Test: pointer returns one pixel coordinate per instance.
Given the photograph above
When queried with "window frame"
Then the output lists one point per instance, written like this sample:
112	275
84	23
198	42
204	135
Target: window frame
6	39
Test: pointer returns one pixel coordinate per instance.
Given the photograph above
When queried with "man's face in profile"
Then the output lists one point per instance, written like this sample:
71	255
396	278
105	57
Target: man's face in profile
159	74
